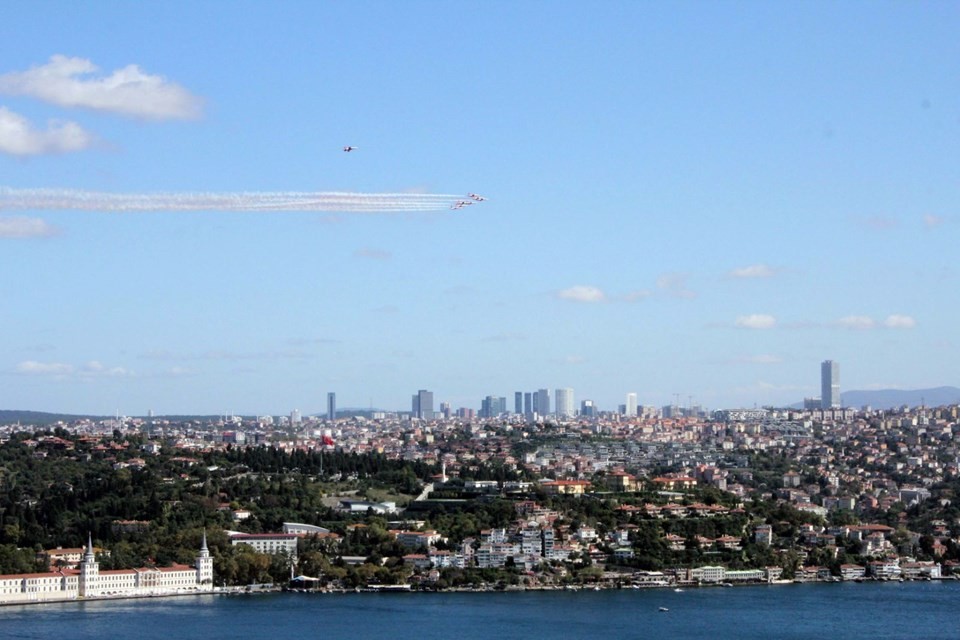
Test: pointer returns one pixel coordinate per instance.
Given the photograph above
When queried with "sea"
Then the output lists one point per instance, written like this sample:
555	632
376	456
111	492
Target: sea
928	610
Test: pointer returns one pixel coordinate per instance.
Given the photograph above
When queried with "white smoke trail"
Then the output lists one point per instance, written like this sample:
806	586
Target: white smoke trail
330	201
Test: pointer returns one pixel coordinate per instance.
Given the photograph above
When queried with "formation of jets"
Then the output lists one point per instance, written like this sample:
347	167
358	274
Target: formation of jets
474	198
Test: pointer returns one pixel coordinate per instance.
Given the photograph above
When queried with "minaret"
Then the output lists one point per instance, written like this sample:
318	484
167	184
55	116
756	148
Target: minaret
204	565
88	582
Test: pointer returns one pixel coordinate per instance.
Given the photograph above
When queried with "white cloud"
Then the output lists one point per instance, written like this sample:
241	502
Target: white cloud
32	367
582	293
756	321
754	271
857	323
70	82
24	227
763	358
19	138
675	284
92	369
896	321
634	296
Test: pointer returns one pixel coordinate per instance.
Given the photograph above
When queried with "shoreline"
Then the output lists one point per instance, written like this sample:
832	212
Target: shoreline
246	591
132	596
577	588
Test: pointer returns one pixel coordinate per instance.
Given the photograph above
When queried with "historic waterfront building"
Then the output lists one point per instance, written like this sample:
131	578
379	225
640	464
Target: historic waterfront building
89	582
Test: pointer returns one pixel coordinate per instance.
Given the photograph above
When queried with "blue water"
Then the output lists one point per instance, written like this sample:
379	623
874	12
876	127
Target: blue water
876	611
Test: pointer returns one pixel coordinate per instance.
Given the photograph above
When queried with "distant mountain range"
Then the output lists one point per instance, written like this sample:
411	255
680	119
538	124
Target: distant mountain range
890	398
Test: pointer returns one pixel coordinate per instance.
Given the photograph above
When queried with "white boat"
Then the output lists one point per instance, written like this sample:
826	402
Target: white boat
663	609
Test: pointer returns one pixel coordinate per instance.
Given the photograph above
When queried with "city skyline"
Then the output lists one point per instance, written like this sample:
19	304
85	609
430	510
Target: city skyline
693	200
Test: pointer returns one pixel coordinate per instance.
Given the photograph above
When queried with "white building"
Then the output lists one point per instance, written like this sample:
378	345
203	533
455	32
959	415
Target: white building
564	401
631	411
90	582
269	543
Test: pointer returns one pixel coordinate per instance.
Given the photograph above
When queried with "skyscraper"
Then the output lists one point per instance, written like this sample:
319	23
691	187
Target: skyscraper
829	385
564	400
331	406
518	402
631	408
423	405
493	406
587	409
541	402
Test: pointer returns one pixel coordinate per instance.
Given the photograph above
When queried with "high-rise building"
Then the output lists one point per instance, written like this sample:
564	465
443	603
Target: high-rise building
518	402
631	409
541	402
492	406
423	405
588	409
527	404
564	400
829	385
295	418
331	406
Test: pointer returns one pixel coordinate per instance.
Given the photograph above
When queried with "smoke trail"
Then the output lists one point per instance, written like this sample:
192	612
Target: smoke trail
330	201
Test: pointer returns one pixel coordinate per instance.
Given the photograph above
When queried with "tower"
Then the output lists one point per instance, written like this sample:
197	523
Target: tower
204	564
423	405
518	402
88	582
829	385
331	406
564	400
631	409
541	402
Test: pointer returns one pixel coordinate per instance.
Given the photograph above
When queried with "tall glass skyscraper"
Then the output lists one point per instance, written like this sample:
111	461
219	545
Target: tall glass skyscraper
829	385
331	406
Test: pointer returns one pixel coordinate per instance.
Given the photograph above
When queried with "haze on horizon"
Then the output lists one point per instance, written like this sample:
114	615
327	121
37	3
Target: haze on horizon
696	199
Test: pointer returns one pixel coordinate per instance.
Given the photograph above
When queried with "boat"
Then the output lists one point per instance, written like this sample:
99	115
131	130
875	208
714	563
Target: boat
678	590
663	609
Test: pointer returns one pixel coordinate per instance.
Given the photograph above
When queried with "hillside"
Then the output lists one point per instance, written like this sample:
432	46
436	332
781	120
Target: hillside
888	398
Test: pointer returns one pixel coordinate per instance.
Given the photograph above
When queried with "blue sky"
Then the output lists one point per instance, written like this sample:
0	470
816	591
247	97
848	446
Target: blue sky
702	199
